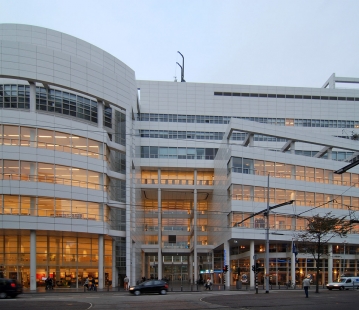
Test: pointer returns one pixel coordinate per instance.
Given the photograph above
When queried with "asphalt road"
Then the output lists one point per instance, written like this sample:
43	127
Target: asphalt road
293	300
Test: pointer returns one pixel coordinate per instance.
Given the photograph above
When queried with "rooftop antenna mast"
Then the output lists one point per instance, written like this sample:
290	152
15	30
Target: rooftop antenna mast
182	67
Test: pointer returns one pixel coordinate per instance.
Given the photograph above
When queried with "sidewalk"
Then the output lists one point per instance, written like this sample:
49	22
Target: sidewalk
175	288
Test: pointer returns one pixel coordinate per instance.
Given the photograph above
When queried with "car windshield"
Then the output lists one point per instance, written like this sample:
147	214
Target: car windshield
340	280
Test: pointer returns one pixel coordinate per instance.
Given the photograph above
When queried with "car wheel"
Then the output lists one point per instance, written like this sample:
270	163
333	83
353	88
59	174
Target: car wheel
342	288
163	292
3	295
329	289
137	293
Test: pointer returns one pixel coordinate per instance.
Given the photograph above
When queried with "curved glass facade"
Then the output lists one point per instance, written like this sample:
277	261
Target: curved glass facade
53	207
51	140
14	96
69	259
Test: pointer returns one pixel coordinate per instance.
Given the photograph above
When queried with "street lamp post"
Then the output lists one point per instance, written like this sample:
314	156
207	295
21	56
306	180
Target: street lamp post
343	273
266	214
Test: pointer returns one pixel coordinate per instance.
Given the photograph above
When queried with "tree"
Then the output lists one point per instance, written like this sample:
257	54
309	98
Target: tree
320	230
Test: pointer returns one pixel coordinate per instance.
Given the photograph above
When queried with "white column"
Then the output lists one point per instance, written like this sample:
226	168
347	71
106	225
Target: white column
32	97
227	262
100	261
292	267
191	268
251	263
159	198
292	147
100	106
330	263
195	232
32	260
143	267
114	269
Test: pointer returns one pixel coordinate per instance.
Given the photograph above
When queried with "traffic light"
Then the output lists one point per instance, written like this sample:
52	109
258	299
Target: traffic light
258	267
226	268
254	268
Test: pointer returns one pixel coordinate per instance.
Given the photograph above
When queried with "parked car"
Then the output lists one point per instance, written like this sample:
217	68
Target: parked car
344	283
150	286
9	287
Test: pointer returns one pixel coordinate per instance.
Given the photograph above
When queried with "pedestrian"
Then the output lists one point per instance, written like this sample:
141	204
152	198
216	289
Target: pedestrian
208	284
306	285
125	283
86	284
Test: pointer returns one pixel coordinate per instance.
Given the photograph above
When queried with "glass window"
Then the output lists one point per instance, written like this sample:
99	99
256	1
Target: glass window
26	173
11	169
11	204
248	166
45	206
63	175
26	205
79	177
299	173
79	146
79	210
63	141
11	135
94	148
45	139
63	208
46	172
309	174
93	180
94	211
27	134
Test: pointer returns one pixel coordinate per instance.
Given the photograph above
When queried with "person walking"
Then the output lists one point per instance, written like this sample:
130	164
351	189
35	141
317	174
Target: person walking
306	285
125	282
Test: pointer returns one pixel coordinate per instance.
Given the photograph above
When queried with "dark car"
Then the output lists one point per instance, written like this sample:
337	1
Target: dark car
150	286
9	287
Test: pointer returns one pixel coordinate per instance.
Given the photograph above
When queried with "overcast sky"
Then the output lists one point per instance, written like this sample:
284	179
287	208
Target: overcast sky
260	42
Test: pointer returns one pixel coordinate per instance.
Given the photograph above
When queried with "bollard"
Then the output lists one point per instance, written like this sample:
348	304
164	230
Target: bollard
246	287
197	287
271	287
172	289
181	288
84	289
278	286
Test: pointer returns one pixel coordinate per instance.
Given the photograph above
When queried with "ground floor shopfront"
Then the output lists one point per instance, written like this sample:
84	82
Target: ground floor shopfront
285	266
68	258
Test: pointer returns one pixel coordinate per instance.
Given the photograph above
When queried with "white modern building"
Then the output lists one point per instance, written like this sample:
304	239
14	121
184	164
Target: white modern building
103	175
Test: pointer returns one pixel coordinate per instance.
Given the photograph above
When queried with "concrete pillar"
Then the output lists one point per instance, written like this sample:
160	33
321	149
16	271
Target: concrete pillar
114	269
251	263
148	275
100	106
32	97
143	265
227	262
330	263
195	232
191	268
330	152
100	261
292	147
32	260
292	268
159	198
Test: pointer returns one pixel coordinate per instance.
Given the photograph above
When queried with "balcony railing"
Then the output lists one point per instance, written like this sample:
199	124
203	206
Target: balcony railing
52	179
52	213
52	146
